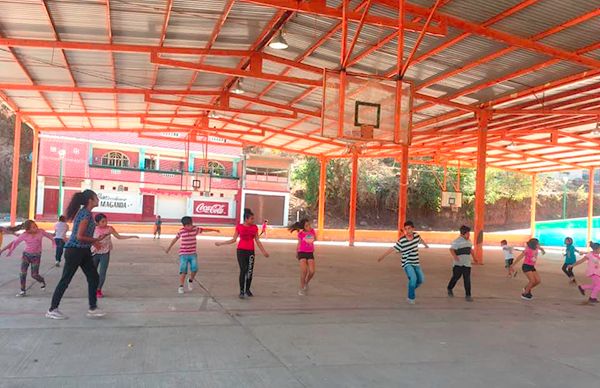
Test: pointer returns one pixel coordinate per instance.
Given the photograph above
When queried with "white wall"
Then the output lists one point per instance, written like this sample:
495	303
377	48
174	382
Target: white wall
169	206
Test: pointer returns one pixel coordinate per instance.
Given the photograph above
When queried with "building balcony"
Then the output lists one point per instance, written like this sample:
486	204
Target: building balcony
168	177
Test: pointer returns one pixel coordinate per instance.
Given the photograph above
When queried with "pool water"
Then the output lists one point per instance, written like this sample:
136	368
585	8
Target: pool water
553	233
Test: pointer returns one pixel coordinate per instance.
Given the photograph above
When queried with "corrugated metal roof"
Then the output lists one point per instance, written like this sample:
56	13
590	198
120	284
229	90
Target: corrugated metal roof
192	22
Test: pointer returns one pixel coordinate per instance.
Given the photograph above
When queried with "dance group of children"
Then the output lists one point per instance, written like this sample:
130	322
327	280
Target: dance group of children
89	247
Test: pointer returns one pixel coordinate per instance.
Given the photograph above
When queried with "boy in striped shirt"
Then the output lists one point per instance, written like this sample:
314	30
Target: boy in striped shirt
408	246
187	251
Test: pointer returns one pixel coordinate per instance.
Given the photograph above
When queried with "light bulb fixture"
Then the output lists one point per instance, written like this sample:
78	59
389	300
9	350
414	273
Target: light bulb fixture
596	131
213	115
237	89
278	42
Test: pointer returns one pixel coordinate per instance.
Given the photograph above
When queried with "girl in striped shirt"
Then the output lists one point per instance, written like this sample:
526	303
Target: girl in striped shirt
408	246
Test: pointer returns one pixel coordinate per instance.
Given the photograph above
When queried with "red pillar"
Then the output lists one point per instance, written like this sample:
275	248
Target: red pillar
533	204
14	193
322	198
403	189
33	181
353	195
590	219
483	118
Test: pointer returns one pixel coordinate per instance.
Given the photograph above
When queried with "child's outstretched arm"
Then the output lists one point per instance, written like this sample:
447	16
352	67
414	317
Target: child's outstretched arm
210	230
11	247
120	237
172	243
49	236
227	242
260	246
424	243
386	254
519	258
580	261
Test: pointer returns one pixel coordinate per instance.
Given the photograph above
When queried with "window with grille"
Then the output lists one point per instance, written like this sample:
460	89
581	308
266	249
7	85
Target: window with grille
216	168
115	159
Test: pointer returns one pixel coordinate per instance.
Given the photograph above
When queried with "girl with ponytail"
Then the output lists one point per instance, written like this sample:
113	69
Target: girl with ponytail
305	252
248	234
78	253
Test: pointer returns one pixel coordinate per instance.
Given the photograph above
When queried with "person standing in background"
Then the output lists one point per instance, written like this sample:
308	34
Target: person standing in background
60	238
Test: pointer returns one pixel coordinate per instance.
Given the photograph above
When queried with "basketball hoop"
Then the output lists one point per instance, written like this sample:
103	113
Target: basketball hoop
374	109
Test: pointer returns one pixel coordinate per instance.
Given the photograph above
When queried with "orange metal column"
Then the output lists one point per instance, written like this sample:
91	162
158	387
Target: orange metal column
533	204
33	181
14	193
403	189
590	219
322	192
483	118
353	195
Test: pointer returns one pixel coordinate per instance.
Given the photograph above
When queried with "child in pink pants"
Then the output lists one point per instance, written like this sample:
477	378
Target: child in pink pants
592	271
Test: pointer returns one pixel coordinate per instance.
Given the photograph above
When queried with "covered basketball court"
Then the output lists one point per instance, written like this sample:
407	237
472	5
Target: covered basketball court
509	84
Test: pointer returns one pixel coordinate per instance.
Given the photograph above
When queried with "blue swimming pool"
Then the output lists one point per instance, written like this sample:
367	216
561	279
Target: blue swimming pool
553	233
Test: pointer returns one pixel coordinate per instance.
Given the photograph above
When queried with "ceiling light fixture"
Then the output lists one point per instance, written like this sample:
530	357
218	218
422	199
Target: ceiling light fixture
213	115
237	89
278	42
596	131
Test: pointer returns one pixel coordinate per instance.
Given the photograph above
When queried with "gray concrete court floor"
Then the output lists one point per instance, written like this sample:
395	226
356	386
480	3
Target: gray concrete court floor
354	329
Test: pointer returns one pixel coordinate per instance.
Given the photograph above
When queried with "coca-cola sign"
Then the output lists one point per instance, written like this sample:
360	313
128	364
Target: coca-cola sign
211	209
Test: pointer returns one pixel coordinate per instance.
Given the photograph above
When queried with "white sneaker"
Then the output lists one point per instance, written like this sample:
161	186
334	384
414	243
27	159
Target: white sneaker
55	314
95	313
189	284
301	292
57	264
410	301
180	290
22	294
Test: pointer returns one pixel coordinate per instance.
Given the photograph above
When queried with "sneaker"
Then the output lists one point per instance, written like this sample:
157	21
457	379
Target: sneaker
301	292
410	301
249	293
22	293
242	295
43	286
526	296
57	264
99	294
55	314
189	284
581	290
592	300
306	287
180	290
95	313
450	293
469	298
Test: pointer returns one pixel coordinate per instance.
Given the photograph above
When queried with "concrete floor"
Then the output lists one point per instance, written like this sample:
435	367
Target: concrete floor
355	329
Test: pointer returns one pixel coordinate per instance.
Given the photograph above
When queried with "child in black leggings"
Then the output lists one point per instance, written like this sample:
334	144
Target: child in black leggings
248	234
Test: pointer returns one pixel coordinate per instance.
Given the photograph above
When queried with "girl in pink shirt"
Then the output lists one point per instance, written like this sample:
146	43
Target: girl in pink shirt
32	254
305	252
530	254
592	271
248	234
101	249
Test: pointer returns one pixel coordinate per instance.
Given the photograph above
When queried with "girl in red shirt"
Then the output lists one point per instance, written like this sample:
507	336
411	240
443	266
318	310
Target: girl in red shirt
248	234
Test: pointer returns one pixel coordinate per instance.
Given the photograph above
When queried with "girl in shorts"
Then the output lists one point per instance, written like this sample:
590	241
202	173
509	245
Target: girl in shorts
530	255
305	252
570	259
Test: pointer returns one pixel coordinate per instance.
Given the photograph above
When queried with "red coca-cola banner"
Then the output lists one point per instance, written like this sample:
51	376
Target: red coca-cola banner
209	208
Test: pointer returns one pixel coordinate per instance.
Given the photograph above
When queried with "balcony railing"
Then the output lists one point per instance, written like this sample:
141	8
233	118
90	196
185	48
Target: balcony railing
164	172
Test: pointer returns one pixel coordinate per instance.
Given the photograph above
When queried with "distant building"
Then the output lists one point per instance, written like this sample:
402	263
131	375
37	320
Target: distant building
138	178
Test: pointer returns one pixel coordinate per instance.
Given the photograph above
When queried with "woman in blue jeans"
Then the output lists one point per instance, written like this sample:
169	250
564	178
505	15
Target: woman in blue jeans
408	247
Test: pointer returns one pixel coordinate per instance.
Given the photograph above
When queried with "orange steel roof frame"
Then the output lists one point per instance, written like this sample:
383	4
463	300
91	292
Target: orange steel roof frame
164	65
